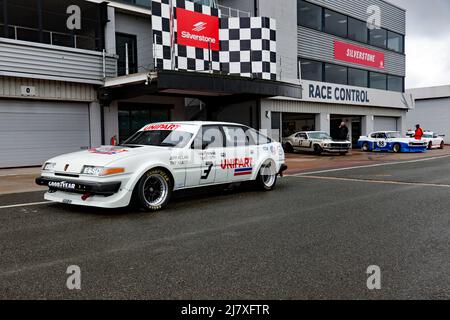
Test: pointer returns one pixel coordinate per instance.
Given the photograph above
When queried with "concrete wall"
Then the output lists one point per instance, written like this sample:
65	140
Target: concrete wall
433	114
285	14
141	27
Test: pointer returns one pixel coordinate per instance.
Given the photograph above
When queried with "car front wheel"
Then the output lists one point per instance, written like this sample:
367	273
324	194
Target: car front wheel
442	145
318	149
154	190
267	176
430	145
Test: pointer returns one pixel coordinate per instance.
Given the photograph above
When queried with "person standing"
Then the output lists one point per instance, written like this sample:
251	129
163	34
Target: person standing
419	133
343	132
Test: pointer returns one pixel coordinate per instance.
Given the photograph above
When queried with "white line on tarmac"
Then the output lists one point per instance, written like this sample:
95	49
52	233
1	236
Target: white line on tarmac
415	184
25	205
367	166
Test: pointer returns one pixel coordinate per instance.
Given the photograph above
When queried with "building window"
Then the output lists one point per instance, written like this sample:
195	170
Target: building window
378	38
46	21
309	15
395	83
311	70
124	41
357	77
357	30
395	42
132	117
378	81
335	74
335	23
142	3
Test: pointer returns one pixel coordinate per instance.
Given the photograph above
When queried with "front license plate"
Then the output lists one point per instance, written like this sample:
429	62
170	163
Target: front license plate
67	201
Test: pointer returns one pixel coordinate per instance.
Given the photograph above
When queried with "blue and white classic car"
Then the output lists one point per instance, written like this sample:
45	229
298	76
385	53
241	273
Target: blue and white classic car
391	141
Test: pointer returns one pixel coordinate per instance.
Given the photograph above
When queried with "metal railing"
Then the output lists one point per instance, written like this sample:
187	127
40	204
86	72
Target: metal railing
232	13
51	37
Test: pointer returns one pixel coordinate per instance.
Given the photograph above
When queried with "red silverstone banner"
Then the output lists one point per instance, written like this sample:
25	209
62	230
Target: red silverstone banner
359	55
197	30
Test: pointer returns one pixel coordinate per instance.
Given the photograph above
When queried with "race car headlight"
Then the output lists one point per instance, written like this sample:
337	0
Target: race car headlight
48	166
101	171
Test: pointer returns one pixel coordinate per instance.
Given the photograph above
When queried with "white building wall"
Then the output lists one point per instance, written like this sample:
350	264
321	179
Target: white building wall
433	114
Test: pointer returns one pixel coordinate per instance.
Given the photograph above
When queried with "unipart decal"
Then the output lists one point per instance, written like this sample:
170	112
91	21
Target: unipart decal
107	150
168	126
241	166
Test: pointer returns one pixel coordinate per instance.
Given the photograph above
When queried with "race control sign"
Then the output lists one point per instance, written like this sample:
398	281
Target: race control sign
197	30
359	55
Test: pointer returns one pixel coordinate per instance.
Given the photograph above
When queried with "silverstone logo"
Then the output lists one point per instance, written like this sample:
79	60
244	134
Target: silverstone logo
199	26
190	36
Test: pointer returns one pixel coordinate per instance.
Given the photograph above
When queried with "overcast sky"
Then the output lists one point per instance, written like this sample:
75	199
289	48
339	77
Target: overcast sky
427	42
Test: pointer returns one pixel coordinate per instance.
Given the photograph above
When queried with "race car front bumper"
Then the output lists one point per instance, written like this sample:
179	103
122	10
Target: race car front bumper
80	187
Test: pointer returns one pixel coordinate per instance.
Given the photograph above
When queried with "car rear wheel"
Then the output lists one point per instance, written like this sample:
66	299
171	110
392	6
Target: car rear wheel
397	148
365	147
154	190
267	176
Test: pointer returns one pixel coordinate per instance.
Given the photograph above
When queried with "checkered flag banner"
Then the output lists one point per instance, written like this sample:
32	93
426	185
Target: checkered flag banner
247	45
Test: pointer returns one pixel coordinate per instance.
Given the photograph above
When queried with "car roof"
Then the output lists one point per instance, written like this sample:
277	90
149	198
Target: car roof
385	132
199	123
310	132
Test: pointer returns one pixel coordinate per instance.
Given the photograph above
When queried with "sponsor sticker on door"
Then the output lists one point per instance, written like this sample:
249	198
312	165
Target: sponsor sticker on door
197	30
358	55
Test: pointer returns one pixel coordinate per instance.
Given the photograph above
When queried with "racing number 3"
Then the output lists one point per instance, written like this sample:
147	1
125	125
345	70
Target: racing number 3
207	171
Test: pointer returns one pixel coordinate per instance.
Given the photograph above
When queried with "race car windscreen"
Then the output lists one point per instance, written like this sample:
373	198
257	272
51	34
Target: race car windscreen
393	135
160	138
319	135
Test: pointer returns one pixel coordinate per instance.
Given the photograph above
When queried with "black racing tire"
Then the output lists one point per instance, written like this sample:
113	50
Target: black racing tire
154	190
396	148
442	145
267	180
430	145
289	148
318	149
365	147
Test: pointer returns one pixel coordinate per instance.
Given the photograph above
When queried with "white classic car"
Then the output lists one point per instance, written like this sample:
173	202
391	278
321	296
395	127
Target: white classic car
159	159
391	141
434	140
315	141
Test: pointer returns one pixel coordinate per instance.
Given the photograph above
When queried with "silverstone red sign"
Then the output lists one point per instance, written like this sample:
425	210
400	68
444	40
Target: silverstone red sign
197	30
359	55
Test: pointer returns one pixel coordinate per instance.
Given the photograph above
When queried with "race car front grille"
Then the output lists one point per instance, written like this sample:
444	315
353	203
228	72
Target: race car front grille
339	146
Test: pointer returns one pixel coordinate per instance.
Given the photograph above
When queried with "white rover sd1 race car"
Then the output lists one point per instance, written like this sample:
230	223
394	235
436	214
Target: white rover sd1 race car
315	141
159	159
